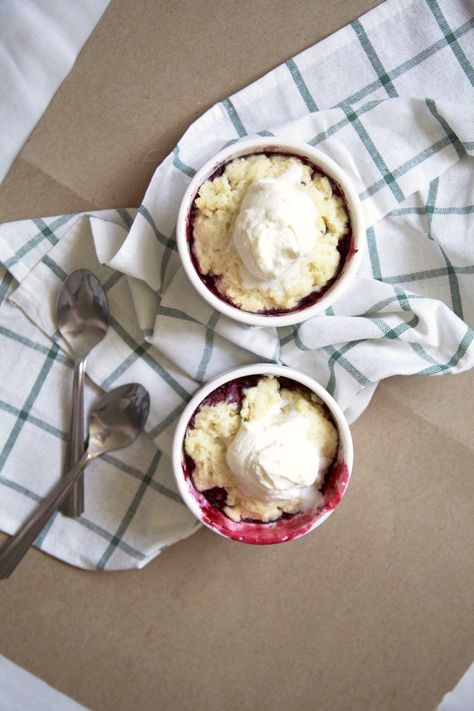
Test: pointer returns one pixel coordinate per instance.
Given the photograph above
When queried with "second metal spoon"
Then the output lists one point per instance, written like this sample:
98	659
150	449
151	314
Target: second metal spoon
82	316
115	422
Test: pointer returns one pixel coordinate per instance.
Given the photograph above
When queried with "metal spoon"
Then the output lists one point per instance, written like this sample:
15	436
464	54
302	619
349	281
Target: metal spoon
82	315
115	422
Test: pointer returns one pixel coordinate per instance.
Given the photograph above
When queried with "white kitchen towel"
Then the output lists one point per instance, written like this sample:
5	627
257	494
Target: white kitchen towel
388	97
39	43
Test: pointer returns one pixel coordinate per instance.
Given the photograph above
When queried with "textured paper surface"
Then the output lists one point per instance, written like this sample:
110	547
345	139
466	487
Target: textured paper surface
372	611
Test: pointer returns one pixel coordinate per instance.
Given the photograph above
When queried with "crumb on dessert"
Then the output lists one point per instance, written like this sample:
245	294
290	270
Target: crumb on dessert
216	209
215	426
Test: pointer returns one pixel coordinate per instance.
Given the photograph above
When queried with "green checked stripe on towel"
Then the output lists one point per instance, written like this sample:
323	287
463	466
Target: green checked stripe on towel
395	109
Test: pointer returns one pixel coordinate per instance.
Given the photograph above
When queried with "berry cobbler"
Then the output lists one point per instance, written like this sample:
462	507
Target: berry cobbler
269	233
260	447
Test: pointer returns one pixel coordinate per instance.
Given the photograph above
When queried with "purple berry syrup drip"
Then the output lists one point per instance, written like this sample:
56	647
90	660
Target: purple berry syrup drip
211	281
288	526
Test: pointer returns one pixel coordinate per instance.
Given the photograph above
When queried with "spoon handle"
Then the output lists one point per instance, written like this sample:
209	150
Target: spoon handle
73	506
17	545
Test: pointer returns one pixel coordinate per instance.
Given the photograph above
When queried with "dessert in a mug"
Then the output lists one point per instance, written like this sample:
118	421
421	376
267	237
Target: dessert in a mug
260	447
269	232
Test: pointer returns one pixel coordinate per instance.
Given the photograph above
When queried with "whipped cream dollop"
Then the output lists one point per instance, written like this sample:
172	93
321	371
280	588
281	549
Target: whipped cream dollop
274	458
275	228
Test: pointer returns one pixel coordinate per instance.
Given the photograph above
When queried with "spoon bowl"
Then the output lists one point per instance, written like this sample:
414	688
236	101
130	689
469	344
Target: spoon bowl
82	312
118	418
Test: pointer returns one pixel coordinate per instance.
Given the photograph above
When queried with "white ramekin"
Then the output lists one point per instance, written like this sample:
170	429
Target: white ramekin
320	160
285	529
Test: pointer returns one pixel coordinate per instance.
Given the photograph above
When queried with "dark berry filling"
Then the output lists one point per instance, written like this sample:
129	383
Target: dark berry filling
344	247
217	497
